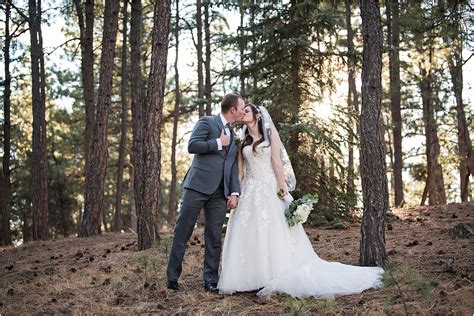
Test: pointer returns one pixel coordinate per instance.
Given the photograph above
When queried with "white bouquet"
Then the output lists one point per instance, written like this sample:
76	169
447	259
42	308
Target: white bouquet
297	211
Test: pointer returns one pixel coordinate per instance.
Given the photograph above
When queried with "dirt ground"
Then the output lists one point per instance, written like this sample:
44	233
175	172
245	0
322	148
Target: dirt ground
433	273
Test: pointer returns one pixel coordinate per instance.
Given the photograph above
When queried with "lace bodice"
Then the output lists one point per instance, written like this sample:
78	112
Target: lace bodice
258	165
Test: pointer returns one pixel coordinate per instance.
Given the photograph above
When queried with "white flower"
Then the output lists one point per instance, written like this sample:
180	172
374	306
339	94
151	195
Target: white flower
302	212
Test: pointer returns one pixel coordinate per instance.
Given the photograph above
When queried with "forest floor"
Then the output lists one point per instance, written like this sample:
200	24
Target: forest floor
106	274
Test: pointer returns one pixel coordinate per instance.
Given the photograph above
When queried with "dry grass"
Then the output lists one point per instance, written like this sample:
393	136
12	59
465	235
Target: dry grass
106	274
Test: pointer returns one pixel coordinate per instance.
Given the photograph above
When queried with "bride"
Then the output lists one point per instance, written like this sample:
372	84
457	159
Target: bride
261	252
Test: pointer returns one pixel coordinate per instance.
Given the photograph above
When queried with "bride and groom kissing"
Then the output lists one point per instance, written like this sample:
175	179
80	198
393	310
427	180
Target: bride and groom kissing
260	251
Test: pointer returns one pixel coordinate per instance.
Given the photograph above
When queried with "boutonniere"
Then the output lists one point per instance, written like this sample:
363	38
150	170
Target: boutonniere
238	139
237	128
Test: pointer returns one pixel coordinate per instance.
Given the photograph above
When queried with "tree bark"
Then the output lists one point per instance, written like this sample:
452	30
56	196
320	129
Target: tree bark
435	179
152	117
374	177
86	30
352	98
207	65
466	156
123	127
5	178
172	205
241	48
137	107
95	174
39	167
199	52
393	39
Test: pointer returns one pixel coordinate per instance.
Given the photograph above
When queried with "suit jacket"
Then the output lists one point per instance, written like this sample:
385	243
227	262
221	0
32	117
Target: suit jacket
211	165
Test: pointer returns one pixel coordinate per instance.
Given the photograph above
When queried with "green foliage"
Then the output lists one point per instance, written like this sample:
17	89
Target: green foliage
400	282
295	306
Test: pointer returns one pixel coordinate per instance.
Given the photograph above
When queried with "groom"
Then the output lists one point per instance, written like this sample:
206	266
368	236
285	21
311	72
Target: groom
211	183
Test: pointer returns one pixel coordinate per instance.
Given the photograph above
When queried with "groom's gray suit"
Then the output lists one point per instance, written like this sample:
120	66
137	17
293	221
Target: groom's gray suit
212	177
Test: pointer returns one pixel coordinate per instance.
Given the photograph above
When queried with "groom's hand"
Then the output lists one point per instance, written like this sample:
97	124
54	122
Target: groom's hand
225	139
232	201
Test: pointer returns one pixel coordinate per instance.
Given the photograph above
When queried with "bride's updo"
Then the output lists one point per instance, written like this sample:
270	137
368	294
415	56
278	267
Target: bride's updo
248	140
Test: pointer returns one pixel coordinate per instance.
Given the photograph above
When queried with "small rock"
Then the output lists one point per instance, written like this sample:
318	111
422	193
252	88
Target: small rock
53	300
49	271
463	230
454	216
193	243
10	292
389	226
123	248
9	268
146	285
108	251
91	259
106	282
37	261
450	265
346	253
429	243
73	270
412	243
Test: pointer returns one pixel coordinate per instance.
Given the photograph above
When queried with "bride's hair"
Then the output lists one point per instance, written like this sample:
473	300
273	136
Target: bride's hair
248	140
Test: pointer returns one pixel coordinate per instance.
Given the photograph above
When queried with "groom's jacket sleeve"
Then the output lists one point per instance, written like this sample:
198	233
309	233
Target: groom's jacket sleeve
234	178
199	142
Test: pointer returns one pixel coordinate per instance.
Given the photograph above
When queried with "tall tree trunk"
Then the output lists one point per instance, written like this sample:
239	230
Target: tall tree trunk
39	167
172	205
295	91
199	58
86	30
254	50
137	106
466	155
133	209
393	39
241	48
95	174
123	128
5	179
435	180
352	97
152	119
373	172
207	66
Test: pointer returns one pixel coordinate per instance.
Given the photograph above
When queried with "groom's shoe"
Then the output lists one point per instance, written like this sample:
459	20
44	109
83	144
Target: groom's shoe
173	285
211	287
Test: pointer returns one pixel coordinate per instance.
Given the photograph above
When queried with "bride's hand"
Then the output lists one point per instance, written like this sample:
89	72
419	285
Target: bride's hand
281	193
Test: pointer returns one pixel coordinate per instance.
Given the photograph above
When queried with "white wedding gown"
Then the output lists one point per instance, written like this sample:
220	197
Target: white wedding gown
262	252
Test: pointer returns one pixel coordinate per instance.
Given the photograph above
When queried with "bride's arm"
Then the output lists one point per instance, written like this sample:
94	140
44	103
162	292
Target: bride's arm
277	164
240	162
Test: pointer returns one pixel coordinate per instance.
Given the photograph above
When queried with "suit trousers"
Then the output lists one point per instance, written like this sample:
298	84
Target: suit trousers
215	209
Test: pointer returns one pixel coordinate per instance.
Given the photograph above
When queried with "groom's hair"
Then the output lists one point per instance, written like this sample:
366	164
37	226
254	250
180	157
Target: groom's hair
229	101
